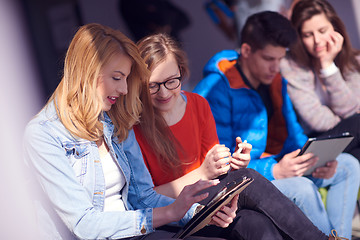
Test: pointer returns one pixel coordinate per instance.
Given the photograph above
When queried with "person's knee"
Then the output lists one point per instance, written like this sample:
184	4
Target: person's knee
298	189
349	165
249	172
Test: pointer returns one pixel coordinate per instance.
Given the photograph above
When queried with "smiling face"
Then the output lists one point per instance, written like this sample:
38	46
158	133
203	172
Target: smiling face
315	34
261	66
165	100
113	80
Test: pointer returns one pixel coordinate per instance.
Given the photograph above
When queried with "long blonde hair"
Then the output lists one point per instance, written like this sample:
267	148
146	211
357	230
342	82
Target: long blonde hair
154	49
77	103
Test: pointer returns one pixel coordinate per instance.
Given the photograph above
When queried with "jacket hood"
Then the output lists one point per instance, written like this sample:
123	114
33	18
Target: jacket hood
212	66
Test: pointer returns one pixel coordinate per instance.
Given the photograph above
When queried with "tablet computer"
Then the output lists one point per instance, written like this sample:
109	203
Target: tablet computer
223	197
327	148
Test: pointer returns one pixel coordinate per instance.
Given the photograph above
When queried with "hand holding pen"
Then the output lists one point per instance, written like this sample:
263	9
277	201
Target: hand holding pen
241	157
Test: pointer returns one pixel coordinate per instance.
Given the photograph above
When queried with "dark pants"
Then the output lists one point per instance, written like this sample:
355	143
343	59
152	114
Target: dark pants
248	224
351	125
165	235
264	213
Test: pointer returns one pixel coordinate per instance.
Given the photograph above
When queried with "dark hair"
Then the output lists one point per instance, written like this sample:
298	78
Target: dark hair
145	17
306	9
267	27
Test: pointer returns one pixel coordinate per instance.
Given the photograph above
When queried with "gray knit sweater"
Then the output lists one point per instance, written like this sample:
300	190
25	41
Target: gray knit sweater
321	101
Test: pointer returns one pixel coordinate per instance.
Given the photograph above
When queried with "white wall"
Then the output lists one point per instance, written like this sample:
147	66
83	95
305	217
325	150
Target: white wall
355	29
349	11
19	99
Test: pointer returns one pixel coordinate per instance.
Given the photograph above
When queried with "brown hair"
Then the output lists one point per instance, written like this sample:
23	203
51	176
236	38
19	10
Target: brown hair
154	49
76	100
306	9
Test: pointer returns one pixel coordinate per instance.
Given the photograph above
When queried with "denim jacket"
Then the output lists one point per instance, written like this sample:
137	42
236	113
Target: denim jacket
69	173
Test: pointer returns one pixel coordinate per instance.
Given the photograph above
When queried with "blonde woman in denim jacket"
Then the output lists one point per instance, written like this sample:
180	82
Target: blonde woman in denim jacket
86	162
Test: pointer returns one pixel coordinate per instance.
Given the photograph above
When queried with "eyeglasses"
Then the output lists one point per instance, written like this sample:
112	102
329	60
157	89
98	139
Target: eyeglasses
170	84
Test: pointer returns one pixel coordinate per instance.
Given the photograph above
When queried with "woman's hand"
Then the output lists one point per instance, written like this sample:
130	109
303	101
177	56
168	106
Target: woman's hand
216	162
188	196
225	216
333	47
241	157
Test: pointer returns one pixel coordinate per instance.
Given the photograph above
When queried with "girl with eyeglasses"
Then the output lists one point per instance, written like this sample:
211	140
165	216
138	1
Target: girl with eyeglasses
180	146
87	166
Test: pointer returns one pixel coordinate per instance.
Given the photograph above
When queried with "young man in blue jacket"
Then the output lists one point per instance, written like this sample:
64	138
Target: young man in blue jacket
248	98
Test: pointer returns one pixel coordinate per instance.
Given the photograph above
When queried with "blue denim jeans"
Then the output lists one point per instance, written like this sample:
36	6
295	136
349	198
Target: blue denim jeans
340	201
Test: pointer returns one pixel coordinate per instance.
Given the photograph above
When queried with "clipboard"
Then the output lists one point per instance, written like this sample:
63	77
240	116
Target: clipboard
223	197
327	148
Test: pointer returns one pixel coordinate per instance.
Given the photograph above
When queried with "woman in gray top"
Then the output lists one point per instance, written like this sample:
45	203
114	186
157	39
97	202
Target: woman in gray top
323	71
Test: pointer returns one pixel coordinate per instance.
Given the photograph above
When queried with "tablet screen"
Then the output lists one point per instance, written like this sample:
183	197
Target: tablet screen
326	148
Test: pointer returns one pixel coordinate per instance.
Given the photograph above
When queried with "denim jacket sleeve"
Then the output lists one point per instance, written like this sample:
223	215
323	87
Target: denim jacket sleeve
71	200
141	189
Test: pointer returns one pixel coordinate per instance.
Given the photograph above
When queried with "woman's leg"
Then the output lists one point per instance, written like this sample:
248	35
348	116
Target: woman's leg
164	235
248	224
251	224
262	196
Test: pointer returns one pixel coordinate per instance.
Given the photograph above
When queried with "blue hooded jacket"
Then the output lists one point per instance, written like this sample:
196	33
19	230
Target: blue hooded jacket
239	111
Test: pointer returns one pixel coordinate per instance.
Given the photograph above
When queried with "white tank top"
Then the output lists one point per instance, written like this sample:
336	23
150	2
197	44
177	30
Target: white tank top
114	183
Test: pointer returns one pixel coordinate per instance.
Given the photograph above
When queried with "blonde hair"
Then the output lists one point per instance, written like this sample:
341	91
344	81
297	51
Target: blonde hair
77	103
154	49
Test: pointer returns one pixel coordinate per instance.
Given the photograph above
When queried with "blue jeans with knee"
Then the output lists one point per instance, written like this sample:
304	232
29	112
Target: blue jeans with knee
341	198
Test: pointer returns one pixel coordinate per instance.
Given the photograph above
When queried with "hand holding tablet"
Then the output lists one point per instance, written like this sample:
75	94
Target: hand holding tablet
325	148
223	197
